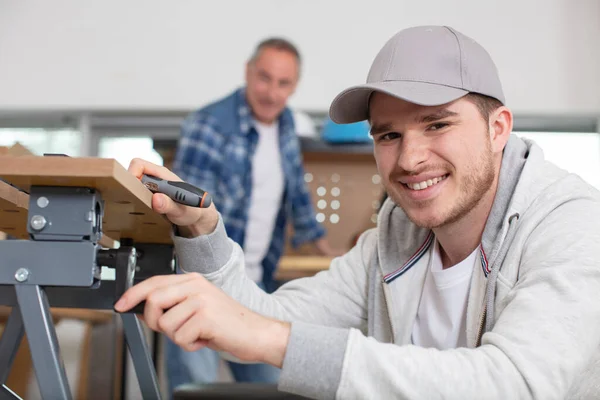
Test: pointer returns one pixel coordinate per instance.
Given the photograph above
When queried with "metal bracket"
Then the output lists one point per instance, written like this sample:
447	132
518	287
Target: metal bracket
65	213
48	263
154	259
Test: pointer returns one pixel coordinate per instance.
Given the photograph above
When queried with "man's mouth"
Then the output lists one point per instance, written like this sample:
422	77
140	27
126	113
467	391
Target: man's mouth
426	183
267	104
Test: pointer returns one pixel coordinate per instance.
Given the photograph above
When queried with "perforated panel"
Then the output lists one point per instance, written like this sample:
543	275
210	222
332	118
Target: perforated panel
346	192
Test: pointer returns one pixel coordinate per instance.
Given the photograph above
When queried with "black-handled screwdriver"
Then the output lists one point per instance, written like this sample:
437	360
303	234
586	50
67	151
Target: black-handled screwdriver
180	192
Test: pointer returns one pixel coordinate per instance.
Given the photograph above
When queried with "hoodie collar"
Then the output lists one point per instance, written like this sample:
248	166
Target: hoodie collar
513	160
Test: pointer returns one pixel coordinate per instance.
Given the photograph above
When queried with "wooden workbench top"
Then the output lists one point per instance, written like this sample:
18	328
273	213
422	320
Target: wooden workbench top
127	208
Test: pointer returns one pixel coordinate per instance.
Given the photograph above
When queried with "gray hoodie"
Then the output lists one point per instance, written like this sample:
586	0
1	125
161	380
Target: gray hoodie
533	313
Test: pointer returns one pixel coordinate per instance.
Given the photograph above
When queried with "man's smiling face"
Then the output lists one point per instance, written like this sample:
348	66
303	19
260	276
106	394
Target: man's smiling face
435	162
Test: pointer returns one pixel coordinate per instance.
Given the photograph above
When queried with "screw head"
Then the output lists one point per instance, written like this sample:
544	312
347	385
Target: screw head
38	222
43	202
22	275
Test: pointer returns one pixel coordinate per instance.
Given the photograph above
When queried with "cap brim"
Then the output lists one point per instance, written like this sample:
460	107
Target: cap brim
352	105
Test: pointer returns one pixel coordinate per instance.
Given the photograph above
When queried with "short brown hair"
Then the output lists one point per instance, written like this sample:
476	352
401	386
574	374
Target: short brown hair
485	104
276	43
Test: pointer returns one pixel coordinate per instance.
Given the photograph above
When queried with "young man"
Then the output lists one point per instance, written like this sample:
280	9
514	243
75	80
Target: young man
243	149
480	280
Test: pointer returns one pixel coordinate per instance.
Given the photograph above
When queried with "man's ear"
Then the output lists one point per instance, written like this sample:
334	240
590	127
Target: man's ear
500	127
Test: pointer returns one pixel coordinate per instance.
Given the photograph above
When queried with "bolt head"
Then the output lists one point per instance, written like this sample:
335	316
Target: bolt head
22	275
43	202
38	222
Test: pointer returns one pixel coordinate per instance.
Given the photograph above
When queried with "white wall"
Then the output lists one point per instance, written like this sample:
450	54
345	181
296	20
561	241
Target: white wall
138	54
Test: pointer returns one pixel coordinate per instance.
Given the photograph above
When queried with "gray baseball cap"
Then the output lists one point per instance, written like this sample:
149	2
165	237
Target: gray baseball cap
426	65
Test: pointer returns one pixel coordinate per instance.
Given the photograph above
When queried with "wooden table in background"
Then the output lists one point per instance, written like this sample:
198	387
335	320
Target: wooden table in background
292	267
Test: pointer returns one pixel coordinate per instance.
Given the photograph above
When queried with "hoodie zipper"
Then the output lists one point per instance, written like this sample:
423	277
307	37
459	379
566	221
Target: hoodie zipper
481	323
488	310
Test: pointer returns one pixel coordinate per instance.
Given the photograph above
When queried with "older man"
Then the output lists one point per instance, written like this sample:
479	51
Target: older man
244	150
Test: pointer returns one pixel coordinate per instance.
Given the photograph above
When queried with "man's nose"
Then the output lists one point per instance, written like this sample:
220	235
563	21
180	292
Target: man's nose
414	151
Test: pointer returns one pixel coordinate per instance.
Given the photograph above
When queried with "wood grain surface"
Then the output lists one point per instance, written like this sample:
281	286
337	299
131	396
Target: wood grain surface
127	210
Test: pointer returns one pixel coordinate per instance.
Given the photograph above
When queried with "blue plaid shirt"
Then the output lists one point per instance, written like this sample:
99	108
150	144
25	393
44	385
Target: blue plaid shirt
215	153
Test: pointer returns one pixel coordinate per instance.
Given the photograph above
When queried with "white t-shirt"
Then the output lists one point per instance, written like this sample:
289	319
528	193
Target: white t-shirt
442	314
265	200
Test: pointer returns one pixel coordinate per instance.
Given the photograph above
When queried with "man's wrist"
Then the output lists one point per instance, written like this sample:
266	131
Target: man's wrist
204	226
276	342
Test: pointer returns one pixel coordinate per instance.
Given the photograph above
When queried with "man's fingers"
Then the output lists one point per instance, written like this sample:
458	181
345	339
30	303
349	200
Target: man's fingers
176	316
193	333
167	297
142	290
139	167
163	204
197	345
178	214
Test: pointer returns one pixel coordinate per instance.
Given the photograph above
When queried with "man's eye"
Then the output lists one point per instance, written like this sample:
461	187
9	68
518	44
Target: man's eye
389	136
438	126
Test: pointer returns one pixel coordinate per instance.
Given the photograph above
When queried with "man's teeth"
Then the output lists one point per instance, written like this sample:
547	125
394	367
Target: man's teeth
425	184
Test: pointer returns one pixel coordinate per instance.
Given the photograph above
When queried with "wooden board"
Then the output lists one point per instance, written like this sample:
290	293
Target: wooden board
16	149
127	212
13	211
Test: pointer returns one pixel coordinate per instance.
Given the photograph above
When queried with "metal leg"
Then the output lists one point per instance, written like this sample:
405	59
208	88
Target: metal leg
7	394
142	361
9	343
156	341
41	335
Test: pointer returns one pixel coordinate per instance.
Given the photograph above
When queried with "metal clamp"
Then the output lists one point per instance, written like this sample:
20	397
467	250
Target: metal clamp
65	213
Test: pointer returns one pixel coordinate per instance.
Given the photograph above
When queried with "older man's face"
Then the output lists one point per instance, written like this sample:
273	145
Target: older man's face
271	79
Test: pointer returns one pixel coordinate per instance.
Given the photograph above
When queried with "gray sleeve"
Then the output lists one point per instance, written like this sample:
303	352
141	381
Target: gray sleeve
302	373
206	253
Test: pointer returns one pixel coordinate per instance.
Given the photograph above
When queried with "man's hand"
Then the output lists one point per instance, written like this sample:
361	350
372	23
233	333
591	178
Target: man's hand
194	313
192	221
